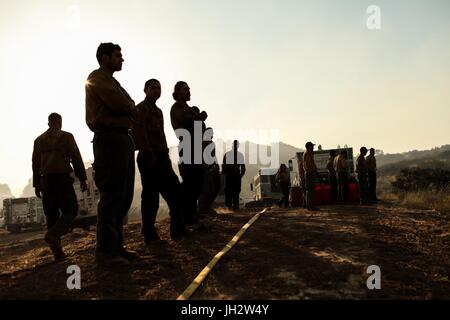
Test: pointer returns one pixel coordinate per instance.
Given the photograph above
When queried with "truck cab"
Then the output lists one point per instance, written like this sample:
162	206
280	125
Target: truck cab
265	185
266	191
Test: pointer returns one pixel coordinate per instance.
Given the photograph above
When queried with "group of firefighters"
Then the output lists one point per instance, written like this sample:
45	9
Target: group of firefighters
120	128
338	177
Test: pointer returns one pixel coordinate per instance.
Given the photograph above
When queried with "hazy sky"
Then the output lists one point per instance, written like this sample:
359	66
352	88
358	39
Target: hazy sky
310	69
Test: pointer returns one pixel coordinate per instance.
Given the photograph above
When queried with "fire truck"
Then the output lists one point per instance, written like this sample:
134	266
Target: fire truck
23	213
28	214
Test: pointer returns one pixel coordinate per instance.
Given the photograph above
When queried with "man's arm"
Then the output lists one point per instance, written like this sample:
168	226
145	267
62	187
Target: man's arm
241	163
77	161
242	169
139	132
110	93
140	137
185	116
224	164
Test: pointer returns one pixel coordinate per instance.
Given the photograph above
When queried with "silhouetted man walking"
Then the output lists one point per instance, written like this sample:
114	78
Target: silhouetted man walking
109	110
53	152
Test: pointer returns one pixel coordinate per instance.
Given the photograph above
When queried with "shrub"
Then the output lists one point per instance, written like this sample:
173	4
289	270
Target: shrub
418	179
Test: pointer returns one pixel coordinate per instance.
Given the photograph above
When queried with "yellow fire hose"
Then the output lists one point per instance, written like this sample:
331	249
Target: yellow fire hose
204	273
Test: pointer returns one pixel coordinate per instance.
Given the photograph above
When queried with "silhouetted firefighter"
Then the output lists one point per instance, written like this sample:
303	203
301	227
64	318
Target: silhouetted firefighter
157	175
233	168
361	170
211	178
53	152
183	118
310	174
332	176
371	163
284	182
109	110
341	167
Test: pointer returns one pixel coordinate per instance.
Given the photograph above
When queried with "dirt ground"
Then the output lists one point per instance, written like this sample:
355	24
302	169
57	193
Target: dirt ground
286	254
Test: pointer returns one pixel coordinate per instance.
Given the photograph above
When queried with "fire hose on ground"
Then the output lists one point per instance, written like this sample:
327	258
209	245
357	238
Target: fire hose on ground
190	290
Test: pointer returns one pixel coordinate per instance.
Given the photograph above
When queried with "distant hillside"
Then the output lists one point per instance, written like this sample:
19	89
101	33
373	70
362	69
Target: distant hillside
433	159
435	153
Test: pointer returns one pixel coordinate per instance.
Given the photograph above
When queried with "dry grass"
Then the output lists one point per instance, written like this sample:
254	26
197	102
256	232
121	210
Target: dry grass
437	200
431	200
